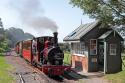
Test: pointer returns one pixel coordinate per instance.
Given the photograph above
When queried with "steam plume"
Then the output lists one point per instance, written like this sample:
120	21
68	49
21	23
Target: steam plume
42	22
31	14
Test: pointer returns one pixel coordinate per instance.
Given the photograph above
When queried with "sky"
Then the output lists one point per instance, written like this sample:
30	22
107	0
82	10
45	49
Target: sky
42	17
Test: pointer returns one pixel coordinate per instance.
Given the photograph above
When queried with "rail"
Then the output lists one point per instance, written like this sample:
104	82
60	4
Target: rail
21	78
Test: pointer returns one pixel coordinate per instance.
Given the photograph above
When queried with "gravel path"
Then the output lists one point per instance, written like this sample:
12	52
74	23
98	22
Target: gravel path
29	73
95	80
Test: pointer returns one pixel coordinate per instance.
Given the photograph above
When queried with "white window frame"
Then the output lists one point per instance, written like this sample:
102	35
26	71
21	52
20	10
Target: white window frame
78	47
92	45
112	48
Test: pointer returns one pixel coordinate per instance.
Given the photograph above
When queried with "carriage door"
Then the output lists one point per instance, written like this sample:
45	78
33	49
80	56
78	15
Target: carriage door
101	56
35	51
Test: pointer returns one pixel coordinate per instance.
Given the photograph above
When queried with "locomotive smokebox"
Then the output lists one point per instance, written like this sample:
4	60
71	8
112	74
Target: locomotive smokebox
55	38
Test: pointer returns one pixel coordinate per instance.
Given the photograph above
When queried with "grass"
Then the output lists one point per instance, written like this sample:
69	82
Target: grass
5	77
67	58
117	77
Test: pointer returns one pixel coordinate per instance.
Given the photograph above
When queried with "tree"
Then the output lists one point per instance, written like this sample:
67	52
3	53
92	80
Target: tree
109	12
16	34
1	24
3	39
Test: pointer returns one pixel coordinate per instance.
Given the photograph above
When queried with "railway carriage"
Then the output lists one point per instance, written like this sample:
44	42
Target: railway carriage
44	53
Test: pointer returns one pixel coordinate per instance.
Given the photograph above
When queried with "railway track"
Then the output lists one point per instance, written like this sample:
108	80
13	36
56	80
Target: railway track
36	72
56	79
34	77
37	75
21	78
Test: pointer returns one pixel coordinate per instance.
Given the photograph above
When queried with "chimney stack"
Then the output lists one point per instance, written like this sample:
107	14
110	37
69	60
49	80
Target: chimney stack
55	38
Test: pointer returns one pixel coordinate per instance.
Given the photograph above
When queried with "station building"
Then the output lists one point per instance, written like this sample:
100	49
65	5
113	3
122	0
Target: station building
95	48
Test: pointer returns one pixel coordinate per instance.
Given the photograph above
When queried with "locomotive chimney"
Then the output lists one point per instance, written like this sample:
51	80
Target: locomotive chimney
55	38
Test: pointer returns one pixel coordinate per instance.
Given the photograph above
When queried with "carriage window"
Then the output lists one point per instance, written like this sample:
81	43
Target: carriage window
112	49
93	46
26	45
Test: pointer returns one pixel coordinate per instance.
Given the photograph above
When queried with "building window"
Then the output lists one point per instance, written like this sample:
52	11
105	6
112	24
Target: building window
93	46
78	47
112	49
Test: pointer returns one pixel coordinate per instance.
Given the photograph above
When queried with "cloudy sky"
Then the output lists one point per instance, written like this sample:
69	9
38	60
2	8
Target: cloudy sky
42	17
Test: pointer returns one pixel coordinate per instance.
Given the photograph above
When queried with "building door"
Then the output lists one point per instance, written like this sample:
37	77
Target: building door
101	56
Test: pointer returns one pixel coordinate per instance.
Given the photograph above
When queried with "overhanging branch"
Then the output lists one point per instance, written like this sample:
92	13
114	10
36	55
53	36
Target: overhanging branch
117	12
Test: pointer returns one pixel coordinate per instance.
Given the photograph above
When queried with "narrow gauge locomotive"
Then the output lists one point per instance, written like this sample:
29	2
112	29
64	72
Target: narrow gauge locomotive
44	53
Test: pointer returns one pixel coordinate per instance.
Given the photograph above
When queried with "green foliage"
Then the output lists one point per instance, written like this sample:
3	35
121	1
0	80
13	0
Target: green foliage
67	58
109	12
9	37
3	41
15	34
1	50
3	47
65	47
4	71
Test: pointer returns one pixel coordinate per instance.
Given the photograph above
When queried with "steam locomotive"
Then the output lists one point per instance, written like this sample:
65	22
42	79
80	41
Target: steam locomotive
44	53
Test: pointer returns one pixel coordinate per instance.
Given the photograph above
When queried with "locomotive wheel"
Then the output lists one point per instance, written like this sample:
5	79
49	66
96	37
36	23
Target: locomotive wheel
34	64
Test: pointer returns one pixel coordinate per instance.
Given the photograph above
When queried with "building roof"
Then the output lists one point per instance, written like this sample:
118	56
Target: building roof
80	31
106	34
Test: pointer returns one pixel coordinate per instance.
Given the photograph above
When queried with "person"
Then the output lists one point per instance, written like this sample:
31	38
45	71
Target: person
47	46
34	46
